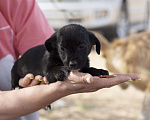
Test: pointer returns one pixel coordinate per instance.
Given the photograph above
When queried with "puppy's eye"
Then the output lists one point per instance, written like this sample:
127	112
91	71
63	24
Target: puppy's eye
82	46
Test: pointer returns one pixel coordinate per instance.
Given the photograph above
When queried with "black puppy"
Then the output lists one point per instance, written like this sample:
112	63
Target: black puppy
66	50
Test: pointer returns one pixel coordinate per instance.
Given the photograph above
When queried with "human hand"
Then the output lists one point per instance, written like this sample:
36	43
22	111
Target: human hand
79	82
29	80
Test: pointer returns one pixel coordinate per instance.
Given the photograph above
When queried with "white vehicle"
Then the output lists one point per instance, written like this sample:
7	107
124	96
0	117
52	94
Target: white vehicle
114	17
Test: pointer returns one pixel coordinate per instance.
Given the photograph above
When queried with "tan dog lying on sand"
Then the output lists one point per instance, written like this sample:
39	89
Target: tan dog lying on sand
131	55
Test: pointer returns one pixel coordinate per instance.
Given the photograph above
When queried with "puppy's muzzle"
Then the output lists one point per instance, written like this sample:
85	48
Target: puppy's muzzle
73	64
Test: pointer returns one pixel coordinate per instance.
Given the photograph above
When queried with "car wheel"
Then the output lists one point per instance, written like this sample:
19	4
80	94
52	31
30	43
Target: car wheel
122	26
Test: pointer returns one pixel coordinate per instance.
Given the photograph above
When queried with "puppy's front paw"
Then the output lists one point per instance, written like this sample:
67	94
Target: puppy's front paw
100	72
62	74
104	72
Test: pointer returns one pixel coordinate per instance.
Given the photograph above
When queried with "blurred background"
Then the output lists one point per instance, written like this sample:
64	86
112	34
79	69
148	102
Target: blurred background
123	28
113	18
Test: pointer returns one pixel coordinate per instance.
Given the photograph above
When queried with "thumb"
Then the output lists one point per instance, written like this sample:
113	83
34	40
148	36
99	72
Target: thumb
77	77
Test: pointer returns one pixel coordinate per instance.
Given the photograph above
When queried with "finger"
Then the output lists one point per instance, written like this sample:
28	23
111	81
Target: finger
133	76
129	76
36	81
77	77
24	82
45	80
109	82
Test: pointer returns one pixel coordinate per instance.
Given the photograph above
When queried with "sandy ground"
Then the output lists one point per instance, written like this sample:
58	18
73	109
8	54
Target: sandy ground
106	104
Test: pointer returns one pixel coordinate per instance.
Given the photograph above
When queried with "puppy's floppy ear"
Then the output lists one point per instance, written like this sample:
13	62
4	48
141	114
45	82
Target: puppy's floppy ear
95	41
50	44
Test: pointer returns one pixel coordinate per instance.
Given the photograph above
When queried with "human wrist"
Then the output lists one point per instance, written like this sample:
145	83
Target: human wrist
64	88
59	88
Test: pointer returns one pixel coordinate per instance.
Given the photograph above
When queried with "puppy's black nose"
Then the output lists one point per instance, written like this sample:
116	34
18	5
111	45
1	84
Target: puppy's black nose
73	63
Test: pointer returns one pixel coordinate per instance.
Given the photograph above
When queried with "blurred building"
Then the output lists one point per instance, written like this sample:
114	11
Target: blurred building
114	18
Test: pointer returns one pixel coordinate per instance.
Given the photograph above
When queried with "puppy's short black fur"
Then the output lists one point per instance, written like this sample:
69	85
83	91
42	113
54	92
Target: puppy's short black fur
66	50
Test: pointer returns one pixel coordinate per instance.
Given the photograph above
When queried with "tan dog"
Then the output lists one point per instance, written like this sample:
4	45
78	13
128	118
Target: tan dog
131	55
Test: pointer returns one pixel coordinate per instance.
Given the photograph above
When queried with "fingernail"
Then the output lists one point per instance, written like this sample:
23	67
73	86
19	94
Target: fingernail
138	79
130	80
88	80
134	80
40	80
31	78
46	82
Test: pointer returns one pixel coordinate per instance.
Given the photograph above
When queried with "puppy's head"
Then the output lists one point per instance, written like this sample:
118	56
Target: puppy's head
74	44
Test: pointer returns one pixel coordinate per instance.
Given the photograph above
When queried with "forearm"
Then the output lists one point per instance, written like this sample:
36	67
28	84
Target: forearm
24	101
27	100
